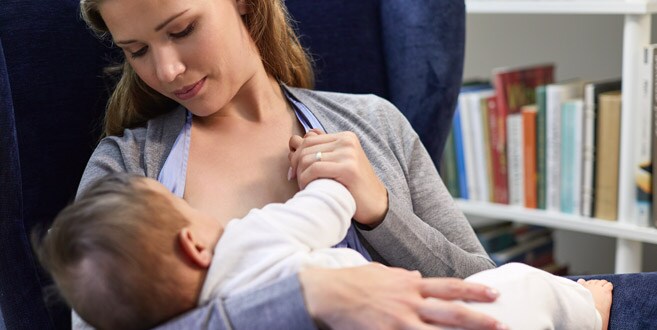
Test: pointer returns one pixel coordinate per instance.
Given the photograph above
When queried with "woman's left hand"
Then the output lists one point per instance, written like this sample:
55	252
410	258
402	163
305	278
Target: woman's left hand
340	156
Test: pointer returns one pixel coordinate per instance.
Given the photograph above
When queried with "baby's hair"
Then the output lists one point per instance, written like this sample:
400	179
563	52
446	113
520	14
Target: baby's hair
111	253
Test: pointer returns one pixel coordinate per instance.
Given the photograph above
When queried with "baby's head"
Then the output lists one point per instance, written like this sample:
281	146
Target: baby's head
128	254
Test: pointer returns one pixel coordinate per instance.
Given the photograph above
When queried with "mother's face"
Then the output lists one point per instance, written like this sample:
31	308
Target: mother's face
196	52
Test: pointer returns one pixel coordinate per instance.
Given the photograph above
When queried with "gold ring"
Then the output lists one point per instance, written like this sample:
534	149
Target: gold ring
318	156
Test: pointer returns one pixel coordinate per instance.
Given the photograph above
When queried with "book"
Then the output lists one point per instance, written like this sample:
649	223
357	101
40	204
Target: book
458	153
480	160
485	110
536	253
448	170
591	92
496	237
470	138
643	122
572	117
529	113
498	164
556	94
540	147
607	156
515	158
514	87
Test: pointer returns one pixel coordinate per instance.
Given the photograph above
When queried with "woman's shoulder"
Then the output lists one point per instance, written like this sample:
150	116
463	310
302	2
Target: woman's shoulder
141	150
346	101
350	111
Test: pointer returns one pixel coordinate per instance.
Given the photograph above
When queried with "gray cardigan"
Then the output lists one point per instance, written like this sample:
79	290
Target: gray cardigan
423	229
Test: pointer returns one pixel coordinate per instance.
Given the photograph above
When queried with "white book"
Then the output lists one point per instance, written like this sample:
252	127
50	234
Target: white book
480	159
516	163
468	147
643	117
556	94
591	92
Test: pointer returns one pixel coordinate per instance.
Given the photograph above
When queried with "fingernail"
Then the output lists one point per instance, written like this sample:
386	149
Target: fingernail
492	293
501	326
289	174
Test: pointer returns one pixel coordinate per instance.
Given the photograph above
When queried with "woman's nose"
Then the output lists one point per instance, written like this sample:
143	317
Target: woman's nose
168	65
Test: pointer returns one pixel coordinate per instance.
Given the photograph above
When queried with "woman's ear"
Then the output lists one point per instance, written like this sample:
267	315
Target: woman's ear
244	7
196	251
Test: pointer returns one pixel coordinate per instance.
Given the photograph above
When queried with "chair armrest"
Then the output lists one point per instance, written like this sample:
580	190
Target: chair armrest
634	304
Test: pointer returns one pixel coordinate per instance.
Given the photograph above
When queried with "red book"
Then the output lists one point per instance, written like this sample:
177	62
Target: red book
514	88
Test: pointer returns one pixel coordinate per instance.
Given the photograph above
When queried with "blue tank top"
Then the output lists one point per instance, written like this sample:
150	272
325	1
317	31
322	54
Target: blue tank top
174	170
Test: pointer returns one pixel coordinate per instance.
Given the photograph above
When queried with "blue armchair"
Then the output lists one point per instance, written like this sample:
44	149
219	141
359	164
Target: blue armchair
52	97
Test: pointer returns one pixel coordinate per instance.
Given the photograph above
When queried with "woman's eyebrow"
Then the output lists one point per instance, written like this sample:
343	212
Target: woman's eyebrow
157	28
163	24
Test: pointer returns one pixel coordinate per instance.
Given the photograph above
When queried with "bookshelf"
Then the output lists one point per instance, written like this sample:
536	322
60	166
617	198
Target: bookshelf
637	26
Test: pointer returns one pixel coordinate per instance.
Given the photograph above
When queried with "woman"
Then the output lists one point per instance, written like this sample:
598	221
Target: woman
236	70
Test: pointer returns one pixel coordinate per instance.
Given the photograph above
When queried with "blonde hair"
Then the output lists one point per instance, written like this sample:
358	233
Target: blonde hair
132	102
111	255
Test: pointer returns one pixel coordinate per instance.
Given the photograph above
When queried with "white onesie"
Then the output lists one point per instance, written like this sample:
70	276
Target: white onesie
281	239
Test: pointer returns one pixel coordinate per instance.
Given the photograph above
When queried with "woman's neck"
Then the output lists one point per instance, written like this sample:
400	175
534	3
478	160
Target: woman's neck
259	100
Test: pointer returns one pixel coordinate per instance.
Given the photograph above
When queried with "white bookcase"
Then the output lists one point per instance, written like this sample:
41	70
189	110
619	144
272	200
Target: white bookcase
636	33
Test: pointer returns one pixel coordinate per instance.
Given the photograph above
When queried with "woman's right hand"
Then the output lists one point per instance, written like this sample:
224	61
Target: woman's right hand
379	297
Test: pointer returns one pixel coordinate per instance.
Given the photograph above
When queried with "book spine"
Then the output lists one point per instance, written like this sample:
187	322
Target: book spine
474	106
643	147
567	158
498	153
578	123
553	148
540	146
468	147
588	151
571	156
448	170
487	146
498	139
515	157
607	156
458	151
529	139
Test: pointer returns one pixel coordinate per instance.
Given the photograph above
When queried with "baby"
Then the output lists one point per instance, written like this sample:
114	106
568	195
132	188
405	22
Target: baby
128	254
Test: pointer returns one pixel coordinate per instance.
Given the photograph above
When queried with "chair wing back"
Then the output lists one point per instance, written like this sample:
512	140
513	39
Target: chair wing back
53	97
53	67
21	305
409	52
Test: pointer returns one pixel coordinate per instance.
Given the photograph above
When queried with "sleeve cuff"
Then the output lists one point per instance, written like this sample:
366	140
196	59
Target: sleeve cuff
277	306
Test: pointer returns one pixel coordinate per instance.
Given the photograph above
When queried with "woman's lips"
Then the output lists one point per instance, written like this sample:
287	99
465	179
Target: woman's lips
190	91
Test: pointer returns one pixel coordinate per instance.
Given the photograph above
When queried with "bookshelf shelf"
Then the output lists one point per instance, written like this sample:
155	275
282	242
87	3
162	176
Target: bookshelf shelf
561	6
637	27
560	221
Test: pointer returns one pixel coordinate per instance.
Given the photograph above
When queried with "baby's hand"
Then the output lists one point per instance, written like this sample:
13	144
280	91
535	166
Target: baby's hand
294	144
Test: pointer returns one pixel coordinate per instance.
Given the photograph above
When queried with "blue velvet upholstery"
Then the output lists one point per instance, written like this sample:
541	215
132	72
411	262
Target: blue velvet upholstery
52	98
358	45
53	67
20	290
634	304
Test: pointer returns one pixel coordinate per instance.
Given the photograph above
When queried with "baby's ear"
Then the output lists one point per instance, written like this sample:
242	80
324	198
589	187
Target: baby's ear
195	250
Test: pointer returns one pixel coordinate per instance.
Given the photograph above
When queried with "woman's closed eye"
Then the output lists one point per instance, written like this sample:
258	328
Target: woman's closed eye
178	35
187	31
139	52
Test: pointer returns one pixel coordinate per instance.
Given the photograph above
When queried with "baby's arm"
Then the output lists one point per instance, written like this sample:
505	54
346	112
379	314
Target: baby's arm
318	216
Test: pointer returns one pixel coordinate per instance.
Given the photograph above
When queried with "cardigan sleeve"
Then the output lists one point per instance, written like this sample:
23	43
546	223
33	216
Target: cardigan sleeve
423	229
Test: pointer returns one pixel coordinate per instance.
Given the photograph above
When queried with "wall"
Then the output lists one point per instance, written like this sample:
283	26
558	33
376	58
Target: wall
582	46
